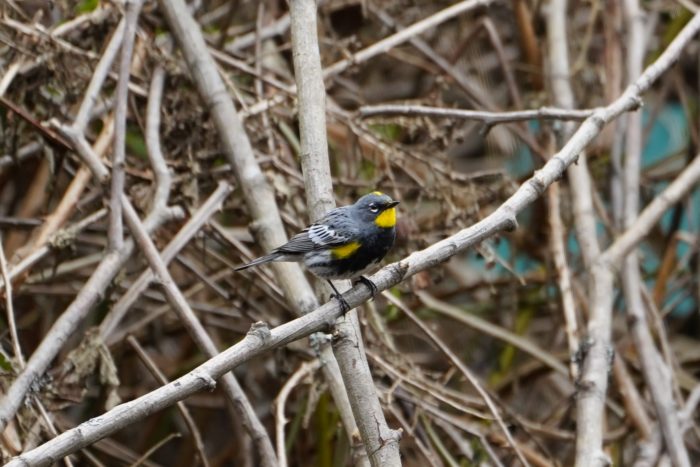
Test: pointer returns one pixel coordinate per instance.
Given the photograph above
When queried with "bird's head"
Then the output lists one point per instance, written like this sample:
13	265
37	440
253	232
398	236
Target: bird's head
378	208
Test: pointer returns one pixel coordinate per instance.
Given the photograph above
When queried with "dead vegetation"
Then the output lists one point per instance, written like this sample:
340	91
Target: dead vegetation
497	311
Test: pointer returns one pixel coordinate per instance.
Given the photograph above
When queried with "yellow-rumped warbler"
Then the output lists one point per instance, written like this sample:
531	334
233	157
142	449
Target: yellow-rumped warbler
346	243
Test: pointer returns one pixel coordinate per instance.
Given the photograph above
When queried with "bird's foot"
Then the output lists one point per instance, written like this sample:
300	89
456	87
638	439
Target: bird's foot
344	306
370	285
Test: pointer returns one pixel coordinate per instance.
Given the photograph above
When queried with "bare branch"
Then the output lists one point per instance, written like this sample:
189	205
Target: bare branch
9	309
98	77
116	229
179	303
596	365
556	241
488	118
657	376
280	402
651	214
89	294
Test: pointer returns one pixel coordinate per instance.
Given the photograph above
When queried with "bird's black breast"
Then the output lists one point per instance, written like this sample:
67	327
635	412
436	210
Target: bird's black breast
373	248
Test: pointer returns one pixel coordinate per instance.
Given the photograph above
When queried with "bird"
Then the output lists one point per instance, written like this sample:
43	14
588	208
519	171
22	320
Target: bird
346	243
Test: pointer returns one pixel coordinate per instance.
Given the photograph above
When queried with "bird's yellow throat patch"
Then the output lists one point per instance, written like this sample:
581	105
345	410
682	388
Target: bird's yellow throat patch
387	219
345	251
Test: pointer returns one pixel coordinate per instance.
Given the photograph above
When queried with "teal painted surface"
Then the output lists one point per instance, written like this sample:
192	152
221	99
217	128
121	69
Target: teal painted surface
664	151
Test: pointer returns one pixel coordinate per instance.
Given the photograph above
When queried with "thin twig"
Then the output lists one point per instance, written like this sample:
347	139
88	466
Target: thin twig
556	242
488	118
281	401
9	308
98	77
632	399
651	214
155	154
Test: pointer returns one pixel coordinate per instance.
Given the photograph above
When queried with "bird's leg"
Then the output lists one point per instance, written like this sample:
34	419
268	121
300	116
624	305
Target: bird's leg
344	307
370	285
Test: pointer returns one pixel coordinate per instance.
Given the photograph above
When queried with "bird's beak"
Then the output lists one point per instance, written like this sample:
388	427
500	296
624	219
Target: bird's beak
390	205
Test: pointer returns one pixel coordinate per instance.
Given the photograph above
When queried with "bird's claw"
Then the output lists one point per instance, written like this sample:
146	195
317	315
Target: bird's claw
344	306
370	285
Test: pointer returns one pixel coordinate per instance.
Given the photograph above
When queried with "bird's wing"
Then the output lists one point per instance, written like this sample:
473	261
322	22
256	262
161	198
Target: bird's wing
316	237
325	235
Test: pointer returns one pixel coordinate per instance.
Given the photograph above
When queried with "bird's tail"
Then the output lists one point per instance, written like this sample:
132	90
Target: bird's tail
258	261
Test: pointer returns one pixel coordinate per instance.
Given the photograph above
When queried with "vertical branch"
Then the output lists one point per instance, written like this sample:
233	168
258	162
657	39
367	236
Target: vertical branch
556	232
594	371
657	375
281	401
381	443
116	229
9	309
312	109
98	77
161	173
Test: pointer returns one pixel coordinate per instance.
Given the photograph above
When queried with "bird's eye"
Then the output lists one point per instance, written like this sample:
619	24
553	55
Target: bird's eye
373	207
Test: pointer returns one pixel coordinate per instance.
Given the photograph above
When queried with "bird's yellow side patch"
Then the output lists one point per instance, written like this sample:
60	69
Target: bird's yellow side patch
345	251
387	219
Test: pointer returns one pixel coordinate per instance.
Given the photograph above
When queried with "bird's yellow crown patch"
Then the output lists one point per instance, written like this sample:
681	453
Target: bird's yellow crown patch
345	251
387	219
378	193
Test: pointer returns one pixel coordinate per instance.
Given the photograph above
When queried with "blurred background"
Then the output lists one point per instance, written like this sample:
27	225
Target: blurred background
497	306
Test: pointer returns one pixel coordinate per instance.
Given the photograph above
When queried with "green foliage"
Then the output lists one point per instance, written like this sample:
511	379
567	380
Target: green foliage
326	422
135	142
387	131
5	364
86	6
